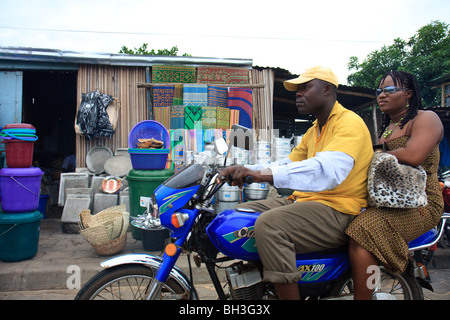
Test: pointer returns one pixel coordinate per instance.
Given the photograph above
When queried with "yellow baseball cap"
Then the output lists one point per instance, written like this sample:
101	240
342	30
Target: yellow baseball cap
321	73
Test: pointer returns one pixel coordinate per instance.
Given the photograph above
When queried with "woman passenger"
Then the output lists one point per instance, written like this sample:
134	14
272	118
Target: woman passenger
381	235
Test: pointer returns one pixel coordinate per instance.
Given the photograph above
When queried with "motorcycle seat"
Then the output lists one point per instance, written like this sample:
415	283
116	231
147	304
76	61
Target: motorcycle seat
341	249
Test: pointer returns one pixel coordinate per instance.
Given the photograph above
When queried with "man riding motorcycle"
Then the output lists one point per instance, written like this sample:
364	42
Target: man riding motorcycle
327	170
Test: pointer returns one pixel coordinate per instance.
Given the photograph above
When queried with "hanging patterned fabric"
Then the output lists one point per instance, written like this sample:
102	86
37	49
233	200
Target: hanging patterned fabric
209	135
217	96
241	99
177	149
234	117
209	117
200	140
193	140
187	139
223	118
177	117
162	115
163	96
225	75
173	74
193	117
195	95
178	95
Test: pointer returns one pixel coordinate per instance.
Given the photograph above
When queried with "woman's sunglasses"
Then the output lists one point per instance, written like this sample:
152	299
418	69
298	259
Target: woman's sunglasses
389	90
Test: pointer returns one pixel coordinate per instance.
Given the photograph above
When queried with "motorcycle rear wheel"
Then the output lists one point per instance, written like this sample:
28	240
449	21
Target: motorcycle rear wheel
392	287
127	282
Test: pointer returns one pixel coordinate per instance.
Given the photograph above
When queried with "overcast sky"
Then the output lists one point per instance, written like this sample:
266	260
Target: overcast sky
293	35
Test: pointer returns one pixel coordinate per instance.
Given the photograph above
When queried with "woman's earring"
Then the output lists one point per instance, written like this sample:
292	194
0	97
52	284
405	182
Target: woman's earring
407	106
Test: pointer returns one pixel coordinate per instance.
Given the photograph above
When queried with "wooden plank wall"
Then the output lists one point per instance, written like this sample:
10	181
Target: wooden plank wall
121	83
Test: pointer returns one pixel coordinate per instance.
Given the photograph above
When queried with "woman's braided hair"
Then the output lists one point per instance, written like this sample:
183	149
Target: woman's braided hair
407	80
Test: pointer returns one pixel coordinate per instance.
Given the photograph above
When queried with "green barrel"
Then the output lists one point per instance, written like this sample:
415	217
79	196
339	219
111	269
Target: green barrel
142	184
19	235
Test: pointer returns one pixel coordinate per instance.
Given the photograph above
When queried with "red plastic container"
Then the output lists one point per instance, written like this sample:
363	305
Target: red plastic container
19	153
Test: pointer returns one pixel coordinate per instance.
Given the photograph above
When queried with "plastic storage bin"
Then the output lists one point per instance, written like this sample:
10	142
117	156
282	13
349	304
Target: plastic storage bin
20	189
148	159
19	144
19	235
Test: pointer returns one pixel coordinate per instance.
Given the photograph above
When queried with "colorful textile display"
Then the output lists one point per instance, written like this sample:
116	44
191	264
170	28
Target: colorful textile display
162	115
222	118
193	140
241	99
225	75
234	117
173	74
209	117
193	117
195	95
177	149
208	135
177	117
187	139
178	95
163	96
217	96
199	140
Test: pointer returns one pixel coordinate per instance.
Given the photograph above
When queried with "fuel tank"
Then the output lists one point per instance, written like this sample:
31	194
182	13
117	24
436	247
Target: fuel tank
232	233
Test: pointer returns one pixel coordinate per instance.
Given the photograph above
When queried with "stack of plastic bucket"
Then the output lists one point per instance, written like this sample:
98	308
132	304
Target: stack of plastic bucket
20	186
147	174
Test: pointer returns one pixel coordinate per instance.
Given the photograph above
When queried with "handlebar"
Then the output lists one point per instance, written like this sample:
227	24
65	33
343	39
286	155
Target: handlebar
211	188
229	179
248	179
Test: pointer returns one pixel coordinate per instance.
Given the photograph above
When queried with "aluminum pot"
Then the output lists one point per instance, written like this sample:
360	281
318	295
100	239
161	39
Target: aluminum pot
256	191
229	193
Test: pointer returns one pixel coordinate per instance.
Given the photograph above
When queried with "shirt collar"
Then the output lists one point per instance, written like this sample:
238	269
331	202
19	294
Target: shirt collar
335	110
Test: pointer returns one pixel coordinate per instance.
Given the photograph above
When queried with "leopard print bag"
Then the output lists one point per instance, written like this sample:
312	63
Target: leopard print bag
394	185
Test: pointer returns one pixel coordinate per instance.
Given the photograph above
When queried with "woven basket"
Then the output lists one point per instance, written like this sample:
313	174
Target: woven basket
112	247
107	230
96	235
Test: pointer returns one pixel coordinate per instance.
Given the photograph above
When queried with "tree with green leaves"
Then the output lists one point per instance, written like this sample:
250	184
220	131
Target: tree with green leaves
426	55
142	50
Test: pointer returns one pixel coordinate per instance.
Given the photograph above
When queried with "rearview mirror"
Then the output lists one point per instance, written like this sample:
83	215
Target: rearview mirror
221	146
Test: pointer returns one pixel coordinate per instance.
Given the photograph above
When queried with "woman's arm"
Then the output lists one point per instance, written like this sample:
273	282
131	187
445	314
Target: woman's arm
426	132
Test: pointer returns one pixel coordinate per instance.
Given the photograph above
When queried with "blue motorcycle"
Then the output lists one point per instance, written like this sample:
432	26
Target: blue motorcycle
183	204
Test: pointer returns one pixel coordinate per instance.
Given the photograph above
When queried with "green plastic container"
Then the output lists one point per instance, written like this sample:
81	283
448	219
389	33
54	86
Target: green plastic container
142	184
19	235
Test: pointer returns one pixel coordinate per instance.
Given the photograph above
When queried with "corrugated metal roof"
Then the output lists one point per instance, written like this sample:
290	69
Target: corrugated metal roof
60	56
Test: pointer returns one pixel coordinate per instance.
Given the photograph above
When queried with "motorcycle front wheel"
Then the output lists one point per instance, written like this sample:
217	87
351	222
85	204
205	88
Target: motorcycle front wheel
391	287
128	282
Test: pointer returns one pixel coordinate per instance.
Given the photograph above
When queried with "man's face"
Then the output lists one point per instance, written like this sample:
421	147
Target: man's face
309	97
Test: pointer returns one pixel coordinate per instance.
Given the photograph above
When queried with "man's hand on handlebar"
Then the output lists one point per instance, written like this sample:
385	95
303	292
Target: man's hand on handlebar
239	175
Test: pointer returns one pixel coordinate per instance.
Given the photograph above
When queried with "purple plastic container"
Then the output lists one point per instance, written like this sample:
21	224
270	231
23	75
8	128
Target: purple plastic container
148	129
20	189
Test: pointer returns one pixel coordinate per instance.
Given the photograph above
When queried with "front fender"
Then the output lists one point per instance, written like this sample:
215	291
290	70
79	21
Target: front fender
152	262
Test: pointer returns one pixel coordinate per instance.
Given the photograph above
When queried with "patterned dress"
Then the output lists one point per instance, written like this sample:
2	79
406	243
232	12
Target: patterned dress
385	232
